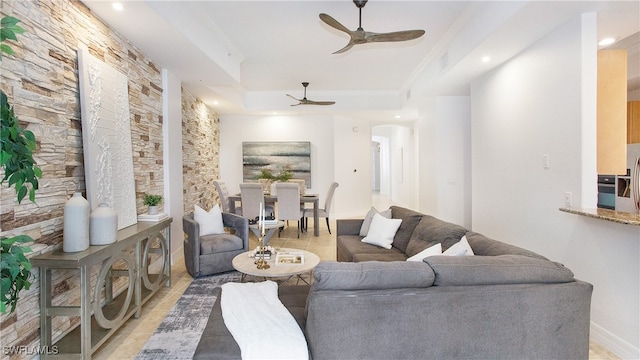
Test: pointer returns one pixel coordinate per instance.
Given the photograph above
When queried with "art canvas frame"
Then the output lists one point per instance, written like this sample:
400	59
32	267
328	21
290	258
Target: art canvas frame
275	156
106	137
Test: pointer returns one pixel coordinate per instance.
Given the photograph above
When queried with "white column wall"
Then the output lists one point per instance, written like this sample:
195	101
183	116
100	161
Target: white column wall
172	140
530	107
445	169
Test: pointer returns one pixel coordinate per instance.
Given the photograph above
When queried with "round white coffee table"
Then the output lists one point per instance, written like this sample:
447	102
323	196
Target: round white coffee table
246	265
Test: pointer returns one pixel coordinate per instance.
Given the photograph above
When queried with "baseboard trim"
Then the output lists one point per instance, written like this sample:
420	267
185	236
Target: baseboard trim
613	343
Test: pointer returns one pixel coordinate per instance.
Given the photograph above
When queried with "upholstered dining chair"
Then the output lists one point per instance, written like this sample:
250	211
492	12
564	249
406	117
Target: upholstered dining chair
224	197
325	211
251	195
212	254
289	203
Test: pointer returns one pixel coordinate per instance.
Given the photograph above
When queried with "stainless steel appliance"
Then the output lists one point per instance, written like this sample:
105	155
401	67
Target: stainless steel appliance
628	185
607	192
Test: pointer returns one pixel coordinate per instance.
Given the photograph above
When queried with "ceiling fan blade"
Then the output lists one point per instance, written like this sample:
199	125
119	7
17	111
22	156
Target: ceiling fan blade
349	46
311	102
334	23
305	101
395	36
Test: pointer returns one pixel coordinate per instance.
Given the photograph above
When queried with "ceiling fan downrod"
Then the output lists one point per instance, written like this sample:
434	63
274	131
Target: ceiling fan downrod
360	4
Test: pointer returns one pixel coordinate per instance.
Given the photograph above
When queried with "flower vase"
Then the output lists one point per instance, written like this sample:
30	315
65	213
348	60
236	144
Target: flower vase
75	236
153	210
103	229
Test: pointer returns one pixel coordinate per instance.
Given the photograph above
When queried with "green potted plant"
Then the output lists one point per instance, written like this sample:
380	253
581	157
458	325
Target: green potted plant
21	172
152	201
284	175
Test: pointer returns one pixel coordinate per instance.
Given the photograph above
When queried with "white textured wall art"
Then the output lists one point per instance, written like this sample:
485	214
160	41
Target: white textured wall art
106	133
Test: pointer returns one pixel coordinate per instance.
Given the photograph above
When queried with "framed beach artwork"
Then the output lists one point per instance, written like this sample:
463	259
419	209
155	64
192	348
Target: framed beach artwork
106	137
276	156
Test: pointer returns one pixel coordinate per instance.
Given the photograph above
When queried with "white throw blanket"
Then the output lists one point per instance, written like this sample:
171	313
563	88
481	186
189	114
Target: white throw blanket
259	322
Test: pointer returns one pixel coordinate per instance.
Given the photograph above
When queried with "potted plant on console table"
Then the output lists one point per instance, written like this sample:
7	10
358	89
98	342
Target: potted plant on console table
21	172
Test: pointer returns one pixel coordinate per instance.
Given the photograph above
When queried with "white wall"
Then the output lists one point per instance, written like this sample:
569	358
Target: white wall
445	169
352	163
336	150
530	107
172	157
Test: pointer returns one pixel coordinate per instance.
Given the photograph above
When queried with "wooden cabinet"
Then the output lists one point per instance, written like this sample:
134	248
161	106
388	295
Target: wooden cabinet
612	112
633	122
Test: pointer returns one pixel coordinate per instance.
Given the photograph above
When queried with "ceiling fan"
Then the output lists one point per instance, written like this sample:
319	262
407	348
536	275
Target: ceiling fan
360	36
305	101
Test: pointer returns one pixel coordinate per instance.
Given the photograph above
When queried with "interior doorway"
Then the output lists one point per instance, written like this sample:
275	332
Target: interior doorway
380	174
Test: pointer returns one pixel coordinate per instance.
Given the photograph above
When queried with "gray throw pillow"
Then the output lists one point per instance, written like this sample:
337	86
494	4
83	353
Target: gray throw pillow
372	275
364	229
496	270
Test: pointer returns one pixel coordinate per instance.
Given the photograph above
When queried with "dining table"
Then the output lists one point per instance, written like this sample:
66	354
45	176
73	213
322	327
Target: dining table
273	199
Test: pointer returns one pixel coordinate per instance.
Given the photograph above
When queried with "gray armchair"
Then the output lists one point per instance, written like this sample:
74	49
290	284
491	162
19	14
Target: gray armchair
212	254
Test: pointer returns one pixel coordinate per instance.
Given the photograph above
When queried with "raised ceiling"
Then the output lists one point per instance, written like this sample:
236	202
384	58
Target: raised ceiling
246	55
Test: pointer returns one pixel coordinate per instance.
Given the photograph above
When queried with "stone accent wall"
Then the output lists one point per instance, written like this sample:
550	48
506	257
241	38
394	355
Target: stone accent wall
41	82
200	153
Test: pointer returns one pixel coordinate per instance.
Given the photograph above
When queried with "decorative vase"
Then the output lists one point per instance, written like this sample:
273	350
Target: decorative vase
76	224
274	190
153	210
103	227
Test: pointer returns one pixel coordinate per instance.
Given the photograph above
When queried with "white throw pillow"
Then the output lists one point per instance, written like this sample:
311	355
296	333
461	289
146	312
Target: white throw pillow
210	222
364	229
382	231
430	251
461	248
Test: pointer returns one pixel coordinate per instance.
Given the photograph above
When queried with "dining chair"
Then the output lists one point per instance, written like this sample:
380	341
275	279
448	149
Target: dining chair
288	195
224	197
251	196
322	212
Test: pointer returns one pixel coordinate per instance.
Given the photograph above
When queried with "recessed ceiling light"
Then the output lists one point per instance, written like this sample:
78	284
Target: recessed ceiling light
117	6
606	41
215	102
486	59
397	116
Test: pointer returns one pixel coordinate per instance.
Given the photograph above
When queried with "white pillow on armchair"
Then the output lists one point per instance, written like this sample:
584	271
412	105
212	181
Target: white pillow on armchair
210	222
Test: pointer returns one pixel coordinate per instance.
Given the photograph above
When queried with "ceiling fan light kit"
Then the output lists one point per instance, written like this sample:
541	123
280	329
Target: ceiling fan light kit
305	101
359	36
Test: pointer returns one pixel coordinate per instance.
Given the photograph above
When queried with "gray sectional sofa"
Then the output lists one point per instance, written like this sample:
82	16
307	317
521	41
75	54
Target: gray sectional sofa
503	303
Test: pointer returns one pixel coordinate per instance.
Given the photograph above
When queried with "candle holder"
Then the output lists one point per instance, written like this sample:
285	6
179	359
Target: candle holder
260	262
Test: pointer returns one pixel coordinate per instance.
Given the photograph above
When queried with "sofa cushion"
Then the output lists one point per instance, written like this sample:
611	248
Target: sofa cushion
410	220
431	231
382	231
389	255
483	245
364	229
496	270
372	275
430	251
217	243
461	248
350	245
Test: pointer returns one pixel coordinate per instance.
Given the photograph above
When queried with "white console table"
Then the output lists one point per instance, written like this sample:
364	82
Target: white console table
100	313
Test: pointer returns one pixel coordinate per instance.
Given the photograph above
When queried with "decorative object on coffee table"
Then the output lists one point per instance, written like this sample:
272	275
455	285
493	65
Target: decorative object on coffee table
260	262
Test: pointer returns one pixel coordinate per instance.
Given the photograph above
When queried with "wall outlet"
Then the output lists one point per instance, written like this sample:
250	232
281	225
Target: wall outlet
568	199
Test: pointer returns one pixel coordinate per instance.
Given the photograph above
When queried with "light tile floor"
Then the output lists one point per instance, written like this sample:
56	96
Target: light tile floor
130	339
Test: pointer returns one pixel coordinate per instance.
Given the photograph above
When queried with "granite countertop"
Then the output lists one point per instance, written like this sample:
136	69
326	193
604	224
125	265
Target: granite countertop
606	214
